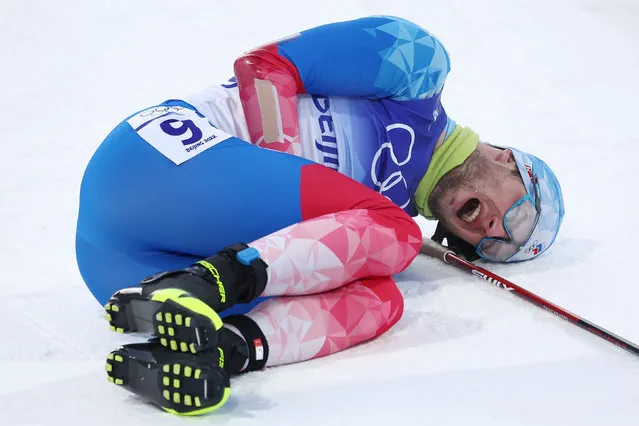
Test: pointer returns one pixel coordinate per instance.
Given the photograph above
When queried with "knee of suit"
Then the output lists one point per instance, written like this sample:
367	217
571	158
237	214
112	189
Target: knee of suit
387	291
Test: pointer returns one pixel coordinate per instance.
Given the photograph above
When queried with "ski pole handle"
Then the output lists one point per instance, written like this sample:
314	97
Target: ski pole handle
433	249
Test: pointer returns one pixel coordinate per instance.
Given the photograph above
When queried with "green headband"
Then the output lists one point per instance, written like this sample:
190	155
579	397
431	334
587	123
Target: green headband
453	152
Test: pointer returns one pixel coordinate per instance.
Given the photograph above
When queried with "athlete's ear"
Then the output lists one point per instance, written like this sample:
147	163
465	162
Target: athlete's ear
500	153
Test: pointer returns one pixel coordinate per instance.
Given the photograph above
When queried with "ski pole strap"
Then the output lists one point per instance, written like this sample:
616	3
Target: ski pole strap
459	246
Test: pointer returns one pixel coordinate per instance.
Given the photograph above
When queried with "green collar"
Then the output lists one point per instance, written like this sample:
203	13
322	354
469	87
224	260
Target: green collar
453	152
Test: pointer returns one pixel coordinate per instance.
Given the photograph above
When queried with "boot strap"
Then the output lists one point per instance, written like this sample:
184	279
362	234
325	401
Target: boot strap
255	340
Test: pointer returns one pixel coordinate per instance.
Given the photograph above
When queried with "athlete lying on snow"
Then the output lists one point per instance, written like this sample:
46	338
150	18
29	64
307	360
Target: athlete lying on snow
270	213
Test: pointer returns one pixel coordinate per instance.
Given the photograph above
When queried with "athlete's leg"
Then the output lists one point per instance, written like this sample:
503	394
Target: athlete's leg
305	327
141	212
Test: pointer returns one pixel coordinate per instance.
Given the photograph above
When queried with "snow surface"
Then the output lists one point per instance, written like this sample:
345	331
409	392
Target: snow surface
555	77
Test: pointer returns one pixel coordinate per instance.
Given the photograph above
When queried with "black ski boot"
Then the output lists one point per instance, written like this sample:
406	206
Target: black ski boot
185	383
180	307
181	383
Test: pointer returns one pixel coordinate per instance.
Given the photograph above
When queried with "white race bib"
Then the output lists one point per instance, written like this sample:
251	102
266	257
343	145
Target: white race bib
179	133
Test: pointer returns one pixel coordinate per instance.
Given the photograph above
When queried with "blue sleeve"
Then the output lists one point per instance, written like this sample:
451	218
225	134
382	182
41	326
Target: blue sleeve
374	57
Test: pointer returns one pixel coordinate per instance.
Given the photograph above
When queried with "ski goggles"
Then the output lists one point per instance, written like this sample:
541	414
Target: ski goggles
520	222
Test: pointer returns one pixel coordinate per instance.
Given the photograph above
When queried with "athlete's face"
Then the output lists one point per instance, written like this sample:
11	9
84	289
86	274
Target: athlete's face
471	199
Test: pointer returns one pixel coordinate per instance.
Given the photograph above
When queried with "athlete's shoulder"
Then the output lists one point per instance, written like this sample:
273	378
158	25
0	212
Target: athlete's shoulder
412	50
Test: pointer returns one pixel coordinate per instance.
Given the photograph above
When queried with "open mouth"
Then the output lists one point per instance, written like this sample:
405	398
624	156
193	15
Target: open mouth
470	210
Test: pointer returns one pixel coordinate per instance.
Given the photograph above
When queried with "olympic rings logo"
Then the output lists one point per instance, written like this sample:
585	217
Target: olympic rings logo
395	178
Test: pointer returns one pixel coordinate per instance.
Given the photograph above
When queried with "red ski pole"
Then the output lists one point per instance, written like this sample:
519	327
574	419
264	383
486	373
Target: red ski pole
433	249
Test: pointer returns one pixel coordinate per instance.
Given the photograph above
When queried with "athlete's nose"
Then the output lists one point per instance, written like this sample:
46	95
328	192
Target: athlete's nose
494	227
